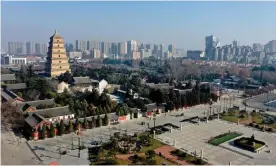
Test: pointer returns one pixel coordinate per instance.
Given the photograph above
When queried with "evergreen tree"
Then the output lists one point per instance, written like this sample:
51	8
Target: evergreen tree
77	124
106	119
85	123
71	127
52	130
44	131
93	122
99	121
61	127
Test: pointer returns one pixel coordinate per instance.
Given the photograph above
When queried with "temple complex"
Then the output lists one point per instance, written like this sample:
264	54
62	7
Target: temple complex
57	61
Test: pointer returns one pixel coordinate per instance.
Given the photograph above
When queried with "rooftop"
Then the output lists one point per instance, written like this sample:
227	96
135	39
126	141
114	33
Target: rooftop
16	86
8	77
53	112
81	80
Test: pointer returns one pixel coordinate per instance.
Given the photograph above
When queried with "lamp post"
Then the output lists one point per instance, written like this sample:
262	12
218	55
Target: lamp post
154	119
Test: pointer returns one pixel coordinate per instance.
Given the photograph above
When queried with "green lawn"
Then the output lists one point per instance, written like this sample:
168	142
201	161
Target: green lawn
155	144
222	139
229	118
257	145
257	118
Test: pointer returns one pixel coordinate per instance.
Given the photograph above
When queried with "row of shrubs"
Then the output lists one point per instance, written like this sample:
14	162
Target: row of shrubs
183	155
60	128
269	129
245	144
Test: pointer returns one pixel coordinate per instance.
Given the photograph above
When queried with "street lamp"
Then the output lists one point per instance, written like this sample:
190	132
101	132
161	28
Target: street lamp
154	119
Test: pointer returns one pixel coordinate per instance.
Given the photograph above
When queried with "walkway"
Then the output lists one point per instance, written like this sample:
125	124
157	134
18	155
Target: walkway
166	152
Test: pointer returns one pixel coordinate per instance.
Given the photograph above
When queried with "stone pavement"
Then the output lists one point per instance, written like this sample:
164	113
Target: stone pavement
193	138
14	153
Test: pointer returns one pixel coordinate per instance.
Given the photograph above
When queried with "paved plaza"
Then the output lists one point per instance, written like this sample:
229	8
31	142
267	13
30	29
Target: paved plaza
194	137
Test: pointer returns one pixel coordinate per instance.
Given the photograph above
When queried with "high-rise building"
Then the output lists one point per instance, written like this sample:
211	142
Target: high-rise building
93	44
81	45
131	46
95	53
105	48
257	47
57	61
114	49
122	48
69	47
172	49
271	46
235	43
37	48
16	48
44	49
211	43
30	46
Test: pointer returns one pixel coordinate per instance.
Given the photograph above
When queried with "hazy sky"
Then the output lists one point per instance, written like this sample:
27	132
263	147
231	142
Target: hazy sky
184	24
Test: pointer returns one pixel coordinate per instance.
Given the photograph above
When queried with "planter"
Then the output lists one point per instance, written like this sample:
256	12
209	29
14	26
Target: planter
35	135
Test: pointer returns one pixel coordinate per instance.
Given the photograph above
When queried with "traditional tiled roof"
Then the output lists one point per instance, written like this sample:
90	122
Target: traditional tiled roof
81	80
33	120
54	112
16	86
8	77
25	105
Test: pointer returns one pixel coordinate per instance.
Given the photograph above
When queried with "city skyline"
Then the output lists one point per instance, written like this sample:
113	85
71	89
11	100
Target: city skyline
184	24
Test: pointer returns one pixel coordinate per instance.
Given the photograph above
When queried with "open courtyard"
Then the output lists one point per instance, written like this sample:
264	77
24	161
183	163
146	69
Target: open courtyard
193	138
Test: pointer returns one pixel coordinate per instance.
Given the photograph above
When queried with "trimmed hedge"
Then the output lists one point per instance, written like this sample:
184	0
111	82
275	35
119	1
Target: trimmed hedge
238	142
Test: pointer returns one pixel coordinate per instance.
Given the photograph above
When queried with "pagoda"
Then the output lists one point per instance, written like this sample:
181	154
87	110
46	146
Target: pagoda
57	61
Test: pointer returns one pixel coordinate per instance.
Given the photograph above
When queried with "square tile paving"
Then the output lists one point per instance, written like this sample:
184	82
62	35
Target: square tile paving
194	139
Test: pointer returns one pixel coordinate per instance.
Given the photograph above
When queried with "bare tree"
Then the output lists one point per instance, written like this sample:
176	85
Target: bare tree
11	116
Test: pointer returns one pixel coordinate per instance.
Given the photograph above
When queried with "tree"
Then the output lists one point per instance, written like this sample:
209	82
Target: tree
11	116
77	123
71	127
52	130
93	122
61	127
244	73
99	121
85	123
106	119
44	131
150	154
66	77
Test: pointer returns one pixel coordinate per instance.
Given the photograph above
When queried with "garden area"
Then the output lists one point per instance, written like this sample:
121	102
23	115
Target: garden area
259	120
223	138
124	149
250	144
187	157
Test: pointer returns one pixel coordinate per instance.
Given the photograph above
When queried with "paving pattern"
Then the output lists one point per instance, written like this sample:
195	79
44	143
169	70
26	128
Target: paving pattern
193	138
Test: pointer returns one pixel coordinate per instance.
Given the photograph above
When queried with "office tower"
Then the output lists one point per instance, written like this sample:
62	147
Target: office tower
161	50
172	49
95	53
69	47
105	48
81	45
271	46
122	48
37	48
131	46
44	49
57	61
114	49
93	44
211	43
216	52
257	47
16	48
235	43
30	46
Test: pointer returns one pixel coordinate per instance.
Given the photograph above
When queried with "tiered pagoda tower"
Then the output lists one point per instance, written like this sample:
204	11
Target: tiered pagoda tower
57	61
